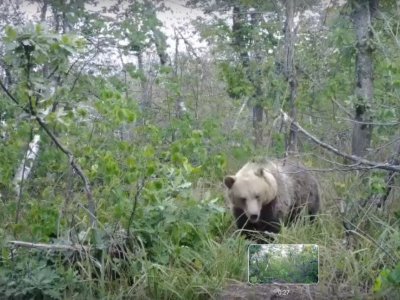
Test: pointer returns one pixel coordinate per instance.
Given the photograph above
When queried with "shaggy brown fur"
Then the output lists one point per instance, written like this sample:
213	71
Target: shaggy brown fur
262	194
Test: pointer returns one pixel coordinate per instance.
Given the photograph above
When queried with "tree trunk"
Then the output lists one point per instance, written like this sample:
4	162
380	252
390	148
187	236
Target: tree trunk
258	116
64	22
161	47
7	73
26	165
290	73
56	17
362	128
180	107
43	11
253	74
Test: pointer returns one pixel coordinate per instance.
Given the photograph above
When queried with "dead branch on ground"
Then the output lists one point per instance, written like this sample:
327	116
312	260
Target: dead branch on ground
56	247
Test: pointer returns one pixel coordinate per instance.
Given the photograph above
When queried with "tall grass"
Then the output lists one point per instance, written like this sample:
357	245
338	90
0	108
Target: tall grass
195	252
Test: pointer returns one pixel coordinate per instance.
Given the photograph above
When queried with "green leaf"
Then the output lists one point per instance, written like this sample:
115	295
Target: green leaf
11	34
150	169
149	152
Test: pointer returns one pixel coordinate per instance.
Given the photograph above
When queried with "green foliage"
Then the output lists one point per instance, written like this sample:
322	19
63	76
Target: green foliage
33	278
140	26
388	282
39	46
377	184
237	83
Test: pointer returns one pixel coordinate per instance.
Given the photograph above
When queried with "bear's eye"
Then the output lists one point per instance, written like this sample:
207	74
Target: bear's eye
242	200
257	197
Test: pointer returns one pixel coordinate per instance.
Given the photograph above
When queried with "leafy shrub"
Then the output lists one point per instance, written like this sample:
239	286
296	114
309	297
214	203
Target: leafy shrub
32	277
388	282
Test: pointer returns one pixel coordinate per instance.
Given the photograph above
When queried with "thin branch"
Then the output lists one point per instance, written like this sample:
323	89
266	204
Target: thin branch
73	64
395	159
239	113
377	165
377	149
342	108
81	69
52	72
11	96
76	167
364	235
369	123
72	161
188	44
351	228
139	188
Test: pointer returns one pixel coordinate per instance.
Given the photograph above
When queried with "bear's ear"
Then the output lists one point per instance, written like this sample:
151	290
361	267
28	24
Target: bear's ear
259	172
229	181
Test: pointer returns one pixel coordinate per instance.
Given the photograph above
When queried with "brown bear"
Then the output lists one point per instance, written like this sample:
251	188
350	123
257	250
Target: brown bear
264	194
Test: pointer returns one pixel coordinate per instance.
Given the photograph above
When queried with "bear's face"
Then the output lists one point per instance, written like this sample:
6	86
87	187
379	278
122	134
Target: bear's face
251	191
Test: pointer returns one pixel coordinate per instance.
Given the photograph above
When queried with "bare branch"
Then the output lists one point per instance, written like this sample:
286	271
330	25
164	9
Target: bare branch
349	114
139	187
58	247
239	113
390	178
377	165
187	43
76	167
369	123
9	95
81	69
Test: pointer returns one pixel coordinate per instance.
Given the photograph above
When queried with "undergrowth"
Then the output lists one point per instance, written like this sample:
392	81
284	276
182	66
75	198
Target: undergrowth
186	248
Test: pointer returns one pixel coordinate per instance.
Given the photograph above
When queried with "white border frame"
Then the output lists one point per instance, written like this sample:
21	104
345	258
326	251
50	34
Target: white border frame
283	284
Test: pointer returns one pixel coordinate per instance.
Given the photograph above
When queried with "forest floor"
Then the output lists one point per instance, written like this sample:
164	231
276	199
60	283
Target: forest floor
241	291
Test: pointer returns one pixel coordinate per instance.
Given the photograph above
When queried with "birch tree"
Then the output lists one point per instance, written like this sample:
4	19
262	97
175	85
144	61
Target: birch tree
290	72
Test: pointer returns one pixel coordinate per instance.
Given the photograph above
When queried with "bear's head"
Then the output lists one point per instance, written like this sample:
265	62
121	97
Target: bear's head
251	190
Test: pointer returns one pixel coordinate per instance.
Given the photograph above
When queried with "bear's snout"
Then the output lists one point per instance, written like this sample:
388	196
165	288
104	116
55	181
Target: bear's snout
253	210
253	218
